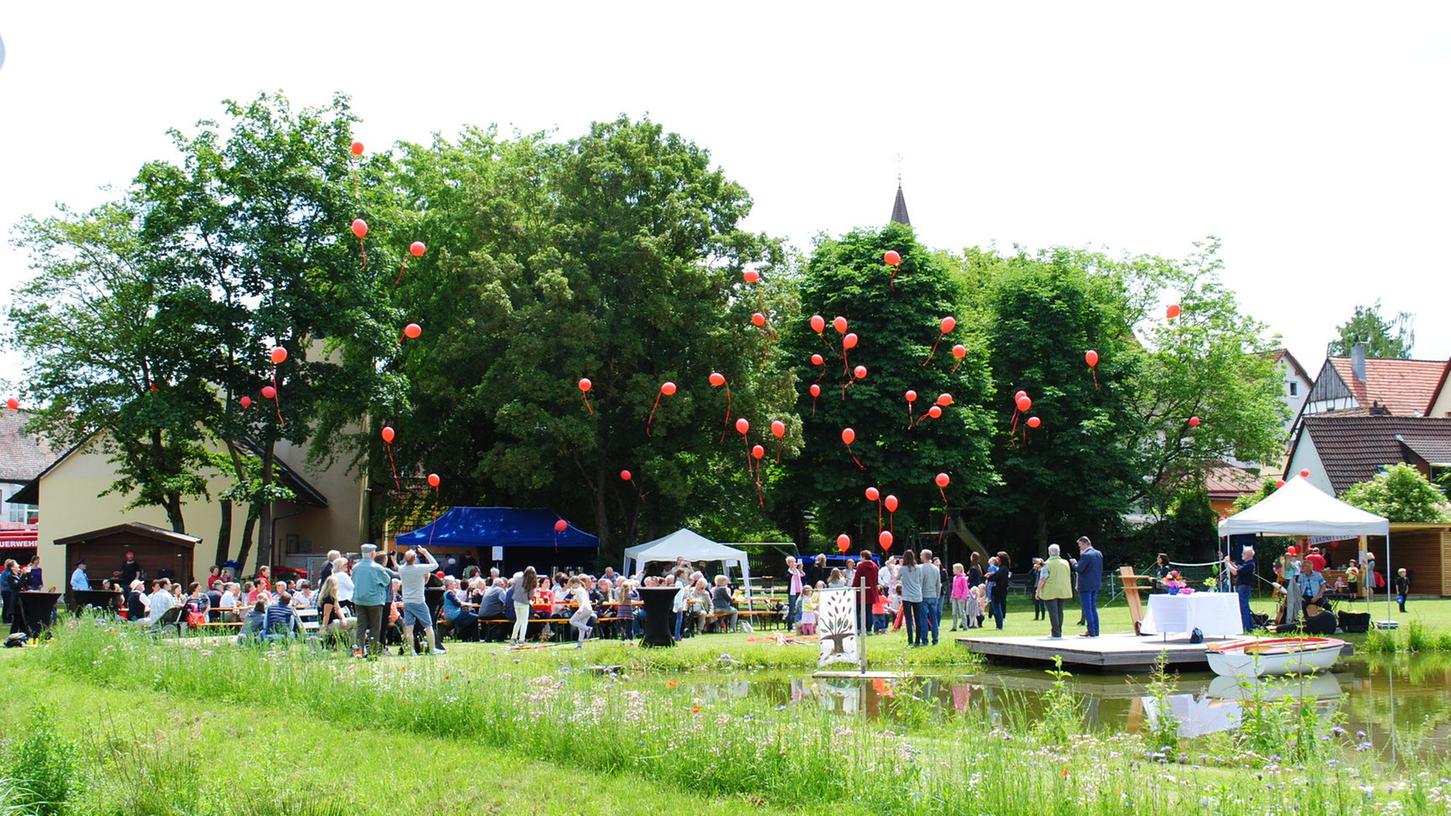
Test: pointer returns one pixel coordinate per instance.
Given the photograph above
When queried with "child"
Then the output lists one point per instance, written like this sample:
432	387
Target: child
894	607
582	614
959	597
808	611
879	613
976	603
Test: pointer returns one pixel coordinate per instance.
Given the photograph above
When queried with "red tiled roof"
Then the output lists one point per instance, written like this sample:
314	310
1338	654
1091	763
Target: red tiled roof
22	456
1440	384
1225	481
1353	448
1404	387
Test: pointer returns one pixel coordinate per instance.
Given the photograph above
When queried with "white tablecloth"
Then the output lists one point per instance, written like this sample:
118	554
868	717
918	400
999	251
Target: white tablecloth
1216	614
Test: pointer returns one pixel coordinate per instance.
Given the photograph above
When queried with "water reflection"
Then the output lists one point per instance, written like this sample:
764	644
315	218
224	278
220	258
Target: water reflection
1360	691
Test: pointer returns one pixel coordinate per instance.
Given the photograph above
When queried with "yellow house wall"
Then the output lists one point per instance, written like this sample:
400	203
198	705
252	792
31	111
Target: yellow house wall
70	503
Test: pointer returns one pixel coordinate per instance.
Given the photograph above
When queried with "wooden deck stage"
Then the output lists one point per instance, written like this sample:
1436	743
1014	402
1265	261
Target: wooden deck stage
1115	653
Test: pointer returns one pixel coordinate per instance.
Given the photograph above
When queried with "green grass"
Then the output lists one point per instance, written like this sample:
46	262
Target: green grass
539	735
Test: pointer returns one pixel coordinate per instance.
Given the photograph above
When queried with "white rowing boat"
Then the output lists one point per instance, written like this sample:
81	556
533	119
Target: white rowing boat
1258	657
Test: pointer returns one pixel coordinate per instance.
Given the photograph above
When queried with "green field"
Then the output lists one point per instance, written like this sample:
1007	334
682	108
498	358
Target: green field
148	726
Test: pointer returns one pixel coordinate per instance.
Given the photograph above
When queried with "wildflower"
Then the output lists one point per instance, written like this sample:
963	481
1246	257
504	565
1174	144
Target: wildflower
695	709
1363	746
1337	731
1065	771
671	683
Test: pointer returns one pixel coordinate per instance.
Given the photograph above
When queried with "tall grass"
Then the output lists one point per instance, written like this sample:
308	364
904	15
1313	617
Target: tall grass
798	757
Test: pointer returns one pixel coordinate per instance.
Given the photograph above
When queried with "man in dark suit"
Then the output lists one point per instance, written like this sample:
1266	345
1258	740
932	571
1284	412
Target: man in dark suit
1089	566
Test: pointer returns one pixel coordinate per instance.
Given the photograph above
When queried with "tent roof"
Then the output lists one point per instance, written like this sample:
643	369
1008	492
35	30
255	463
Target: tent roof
497	527
1300	508
684	543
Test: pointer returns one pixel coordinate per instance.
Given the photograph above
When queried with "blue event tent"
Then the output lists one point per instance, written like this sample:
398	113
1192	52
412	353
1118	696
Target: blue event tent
498	527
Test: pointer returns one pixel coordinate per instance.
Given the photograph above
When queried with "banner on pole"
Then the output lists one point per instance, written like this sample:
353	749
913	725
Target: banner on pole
836	626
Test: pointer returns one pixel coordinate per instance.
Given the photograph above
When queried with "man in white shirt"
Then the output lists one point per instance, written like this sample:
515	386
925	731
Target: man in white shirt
414	572
161	600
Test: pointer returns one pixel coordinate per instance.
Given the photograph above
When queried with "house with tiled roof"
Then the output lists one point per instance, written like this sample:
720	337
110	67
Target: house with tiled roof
1340	449
1357	382
1440	405
23	456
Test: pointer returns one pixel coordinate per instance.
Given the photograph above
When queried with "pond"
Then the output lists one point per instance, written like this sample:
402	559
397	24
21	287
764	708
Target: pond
1360	692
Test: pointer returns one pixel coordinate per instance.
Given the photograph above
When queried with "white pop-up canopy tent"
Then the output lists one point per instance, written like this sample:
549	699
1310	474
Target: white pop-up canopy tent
691	546
1300	508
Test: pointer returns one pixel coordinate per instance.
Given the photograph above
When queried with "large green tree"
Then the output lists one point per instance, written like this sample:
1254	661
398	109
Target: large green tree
896	319
1402	494
1382	336
616	256
110	335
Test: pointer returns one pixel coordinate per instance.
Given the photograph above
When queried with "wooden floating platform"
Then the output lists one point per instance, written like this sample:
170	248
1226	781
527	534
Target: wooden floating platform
1116	653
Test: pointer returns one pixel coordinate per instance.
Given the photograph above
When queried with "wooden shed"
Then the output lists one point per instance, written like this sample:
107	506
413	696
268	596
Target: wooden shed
1424	550
159	551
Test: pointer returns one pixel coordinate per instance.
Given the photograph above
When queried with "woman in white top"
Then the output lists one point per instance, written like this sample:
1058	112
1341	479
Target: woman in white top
582	613
345	584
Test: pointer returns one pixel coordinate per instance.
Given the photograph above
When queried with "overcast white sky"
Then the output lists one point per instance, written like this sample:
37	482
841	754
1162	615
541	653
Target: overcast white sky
1313	138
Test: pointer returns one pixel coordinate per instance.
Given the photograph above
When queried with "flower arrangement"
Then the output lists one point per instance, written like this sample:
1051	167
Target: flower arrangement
1174	582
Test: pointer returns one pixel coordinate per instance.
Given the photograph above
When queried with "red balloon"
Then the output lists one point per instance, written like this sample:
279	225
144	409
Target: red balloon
1279	483
717	379
13	404
843	542
357	148
560	526
412	331
667	388
849	341
757	451
944	400
387	433
891	503
860	372
1305	473
873	494
626	476
948	324
743	426
751	275
1034	422
943	480
268	392
848	435
585	385
911	396
1019	395
360	228
959	351
1173	311
1194	422
416	249
246	402
815	390
935	411
817	359
758	319
884	538
279	355
778	428
1090	357
433	480
1024	403
891	257
839	323
818	324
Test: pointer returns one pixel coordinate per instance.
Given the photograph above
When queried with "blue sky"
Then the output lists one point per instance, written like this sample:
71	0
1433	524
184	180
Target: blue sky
1312	138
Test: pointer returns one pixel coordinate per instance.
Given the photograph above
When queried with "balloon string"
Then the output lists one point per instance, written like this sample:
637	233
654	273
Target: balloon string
779	447
277	397
813	406
726	426
910	420
1094	371
587	406
435	514
1014	429
402	267
651	420
933	352
879	518
956	367
363	247
892	520
944	515
393	467
892	284
854	459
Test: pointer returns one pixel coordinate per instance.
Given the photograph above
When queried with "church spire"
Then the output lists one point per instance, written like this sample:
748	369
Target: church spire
899	207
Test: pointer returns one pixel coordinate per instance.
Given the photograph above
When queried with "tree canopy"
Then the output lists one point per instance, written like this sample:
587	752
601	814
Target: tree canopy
1383	337
1401	493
